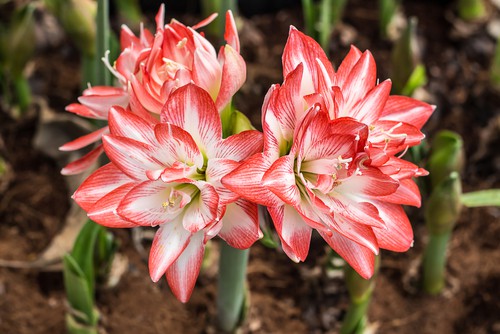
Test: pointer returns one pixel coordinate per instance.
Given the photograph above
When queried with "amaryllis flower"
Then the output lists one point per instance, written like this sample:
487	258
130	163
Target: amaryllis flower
180	55
154	66
167	174
329	161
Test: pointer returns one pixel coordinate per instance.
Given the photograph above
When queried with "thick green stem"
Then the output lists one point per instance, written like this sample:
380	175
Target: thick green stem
103	77
435	262
232	286
309	10
325	20
360	293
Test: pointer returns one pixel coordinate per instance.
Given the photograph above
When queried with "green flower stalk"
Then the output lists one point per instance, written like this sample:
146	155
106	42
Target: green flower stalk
232	288
360	293
321	18
471	10
408	72
442	212
17	46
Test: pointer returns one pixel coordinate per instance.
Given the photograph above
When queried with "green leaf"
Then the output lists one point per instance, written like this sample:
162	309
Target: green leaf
490	197
84	250
417	79
78	291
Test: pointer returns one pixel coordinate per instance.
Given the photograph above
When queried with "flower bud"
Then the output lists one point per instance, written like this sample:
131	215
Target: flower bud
78	20
408	71
444	205
17	41
447	155
240	122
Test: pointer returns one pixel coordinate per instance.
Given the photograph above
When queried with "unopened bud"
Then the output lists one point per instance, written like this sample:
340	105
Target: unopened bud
78	18
447	155
444	205
240	122
17	41
406	58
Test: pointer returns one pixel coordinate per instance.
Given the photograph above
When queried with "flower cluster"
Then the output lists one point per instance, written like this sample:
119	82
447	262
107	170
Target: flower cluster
329	163
326	159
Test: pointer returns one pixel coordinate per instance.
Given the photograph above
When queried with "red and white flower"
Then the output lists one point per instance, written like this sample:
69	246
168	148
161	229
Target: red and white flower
168	174
329	163
150	67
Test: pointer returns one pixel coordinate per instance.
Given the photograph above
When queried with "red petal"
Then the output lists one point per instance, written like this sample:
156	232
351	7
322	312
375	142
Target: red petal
169	242
369	109
303	49
360	80
398	234
124	123
359	257
246	181
145	204
346	66
407	194
202	210
83	163
78	109
293	231
230	33
206	72
233	75
104	211
280	179
216	170
132	157
240	146
192	109
98	184
182	274
240	225
408	110
84	140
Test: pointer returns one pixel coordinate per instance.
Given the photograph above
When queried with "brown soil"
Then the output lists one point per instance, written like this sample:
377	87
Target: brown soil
285	297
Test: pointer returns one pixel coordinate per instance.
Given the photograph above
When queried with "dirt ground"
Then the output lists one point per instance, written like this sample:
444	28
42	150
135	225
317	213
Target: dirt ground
285	297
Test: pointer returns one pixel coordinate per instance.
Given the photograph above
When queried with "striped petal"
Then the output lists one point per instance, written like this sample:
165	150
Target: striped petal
192	109
123	123
398	234
233	75
240	225
182	274
169	242
104	211
293	231
84	140
202	210
246	181
408	110
132	157
98	184
359	257
84	163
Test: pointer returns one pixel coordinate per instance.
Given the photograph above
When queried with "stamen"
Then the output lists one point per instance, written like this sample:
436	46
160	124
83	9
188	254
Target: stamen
404	152
182	43
117	74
